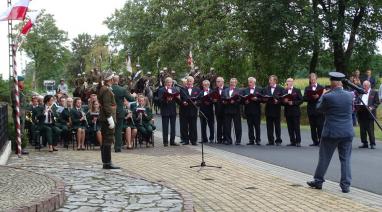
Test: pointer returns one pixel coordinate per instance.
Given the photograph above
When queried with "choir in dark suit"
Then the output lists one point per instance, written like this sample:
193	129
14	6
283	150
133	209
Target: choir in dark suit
231	101
219	110
365	120
207	108
292	112
252	110
167	98
316	119
273	110
189	95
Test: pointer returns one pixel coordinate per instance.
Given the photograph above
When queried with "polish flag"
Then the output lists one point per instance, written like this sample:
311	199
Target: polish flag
16	12
27	27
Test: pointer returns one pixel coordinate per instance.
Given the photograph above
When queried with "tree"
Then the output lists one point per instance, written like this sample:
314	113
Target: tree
45	46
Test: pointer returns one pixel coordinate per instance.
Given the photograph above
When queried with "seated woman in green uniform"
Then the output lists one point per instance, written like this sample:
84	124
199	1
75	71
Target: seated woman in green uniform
128	123
79	122
94	124
143	118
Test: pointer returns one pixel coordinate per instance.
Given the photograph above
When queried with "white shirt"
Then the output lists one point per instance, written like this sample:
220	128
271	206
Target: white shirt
230	92
206	92
252	90
314	87
220	90
290	90
190	91
46	121
273	89
169	90
365	97
63	88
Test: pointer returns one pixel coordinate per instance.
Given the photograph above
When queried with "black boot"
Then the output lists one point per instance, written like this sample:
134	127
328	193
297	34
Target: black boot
107	158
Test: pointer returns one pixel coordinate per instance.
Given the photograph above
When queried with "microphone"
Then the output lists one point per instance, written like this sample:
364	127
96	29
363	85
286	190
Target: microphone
353	86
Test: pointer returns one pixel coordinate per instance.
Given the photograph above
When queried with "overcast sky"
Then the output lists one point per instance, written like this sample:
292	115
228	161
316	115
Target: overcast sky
72	16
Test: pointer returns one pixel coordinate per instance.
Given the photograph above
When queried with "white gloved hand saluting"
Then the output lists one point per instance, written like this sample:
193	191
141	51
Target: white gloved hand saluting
110	120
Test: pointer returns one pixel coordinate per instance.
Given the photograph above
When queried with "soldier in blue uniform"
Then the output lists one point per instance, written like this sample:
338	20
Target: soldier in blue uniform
338	132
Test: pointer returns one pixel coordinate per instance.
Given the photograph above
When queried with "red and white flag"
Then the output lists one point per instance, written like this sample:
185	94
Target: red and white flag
190	60
27	27
15	12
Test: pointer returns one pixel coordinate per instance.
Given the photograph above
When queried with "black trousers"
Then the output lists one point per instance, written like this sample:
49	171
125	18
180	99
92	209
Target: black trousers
107	140
366	127
182	128
253	122
273	125
293	123
236	119
189	129
316	123
166	120
211	125
220	128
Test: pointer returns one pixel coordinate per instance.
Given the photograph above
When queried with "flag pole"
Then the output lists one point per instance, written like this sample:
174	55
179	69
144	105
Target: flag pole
17	100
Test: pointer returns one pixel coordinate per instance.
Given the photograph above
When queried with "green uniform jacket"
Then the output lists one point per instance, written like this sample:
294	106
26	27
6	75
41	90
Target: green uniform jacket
107	102
76	116
146	119
119	94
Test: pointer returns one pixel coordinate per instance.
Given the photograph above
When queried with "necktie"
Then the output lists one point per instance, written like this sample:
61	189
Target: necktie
49	117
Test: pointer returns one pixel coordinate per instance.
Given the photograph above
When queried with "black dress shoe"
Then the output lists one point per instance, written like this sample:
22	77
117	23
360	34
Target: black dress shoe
372	146
258	143
291	144
186	143
364	146
313	144
298	145
270	144
24	152
228	143
194	144
278	144
110	166
117	150
251	143
314	184
174	144
165	145
237	143
345	190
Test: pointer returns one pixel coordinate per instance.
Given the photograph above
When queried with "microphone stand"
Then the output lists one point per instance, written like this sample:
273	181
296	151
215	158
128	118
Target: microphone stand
203	163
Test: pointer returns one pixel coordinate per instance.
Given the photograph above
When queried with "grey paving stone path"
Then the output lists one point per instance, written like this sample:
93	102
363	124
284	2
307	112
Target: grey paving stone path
90	188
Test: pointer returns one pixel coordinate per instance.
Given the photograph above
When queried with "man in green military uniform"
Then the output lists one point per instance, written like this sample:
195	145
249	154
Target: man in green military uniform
120	94
107	116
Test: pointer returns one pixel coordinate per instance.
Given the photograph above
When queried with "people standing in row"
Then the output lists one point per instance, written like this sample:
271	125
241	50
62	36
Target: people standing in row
316	118
292	112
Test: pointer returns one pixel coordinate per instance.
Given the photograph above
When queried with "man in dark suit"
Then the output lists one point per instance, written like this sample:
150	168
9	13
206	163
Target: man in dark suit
182	113
273	110
168	111
369	77
292	112
188	98
219	111
365	120
338	132
252	110
207	108
316	118
231	101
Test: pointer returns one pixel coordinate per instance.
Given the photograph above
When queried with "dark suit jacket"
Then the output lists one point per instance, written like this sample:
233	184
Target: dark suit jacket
312	104
272	109
294	109
39	116
206	107
337	107
190	109
231	108
253	107
373	102
167	108
219	106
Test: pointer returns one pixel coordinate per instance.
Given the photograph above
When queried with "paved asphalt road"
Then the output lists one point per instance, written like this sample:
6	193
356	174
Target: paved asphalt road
366	163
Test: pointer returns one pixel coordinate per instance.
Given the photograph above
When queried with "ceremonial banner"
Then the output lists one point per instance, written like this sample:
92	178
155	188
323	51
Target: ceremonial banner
16	12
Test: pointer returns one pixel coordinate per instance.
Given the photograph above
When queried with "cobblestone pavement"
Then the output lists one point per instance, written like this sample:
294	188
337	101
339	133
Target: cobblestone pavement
24	192
237	186
90	188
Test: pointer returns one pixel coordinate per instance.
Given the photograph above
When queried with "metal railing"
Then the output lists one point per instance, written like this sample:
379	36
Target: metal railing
3	124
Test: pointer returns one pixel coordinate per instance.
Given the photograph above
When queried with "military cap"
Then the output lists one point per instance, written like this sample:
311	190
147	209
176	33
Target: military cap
108	75
149	73
212	69
20	78
196	67
78	75
165	69
336	76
